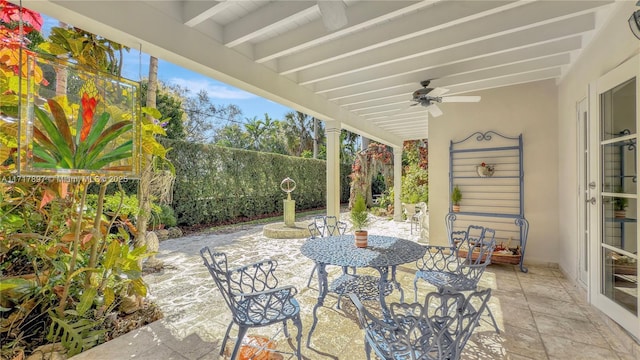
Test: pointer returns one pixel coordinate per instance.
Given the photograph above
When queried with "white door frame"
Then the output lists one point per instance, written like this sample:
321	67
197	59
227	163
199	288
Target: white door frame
584	208
622	73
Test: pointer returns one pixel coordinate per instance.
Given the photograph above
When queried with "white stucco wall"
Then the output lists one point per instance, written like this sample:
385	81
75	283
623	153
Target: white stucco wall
611	46
530	109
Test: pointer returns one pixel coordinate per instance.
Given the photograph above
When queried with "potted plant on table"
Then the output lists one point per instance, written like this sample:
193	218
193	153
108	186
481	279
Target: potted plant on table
456	196
360	219
619	207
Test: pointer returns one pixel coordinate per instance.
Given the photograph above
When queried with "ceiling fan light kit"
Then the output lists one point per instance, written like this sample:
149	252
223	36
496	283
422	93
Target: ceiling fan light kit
428	97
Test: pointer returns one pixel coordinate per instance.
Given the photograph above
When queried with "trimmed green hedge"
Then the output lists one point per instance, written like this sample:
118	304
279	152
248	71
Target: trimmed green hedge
217	184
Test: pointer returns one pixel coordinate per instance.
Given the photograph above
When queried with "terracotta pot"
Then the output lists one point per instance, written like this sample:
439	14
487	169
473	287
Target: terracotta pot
361	238
455	208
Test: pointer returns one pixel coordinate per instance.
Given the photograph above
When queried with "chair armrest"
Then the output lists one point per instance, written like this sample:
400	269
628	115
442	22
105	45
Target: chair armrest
367	319
472	272
439	258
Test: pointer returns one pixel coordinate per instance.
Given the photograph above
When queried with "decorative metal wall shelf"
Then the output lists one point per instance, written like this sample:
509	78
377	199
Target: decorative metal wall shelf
494	198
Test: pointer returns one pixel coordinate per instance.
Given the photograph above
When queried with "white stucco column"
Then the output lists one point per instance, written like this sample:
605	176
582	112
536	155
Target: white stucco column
397	183
332	130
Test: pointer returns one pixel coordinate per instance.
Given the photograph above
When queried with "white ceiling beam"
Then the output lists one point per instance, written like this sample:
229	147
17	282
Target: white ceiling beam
443	14
360	15
267	18
519	39
196	12
475	81
523	17
509	80
487	73
388	87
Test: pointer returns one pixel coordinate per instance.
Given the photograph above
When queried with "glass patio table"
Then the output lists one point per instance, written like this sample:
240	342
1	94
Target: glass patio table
383	253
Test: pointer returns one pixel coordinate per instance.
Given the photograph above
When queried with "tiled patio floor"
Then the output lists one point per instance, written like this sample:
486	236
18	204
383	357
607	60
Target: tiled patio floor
541	315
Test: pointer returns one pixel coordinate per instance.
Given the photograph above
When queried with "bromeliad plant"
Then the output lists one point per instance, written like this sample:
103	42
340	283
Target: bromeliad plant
91	145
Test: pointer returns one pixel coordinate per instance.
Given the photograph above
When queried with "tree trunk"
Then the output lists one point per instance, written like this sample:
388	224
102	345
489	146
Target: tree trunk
315	138
144	189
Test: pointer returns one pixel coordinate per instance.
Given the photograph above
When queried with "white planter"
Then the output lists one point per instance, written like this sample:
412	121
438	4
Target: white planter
484	171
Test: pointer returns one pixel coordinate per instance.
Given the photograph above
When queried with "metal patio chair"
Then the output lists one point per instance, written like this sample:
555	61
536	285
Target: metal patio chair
460	266
253	296
323	226
437	329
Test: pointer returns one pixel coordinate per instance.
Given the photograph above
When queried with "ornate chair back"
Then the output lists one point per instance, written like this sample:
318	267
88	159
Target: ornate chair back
479	244
253	296
326	226
323	226
439	328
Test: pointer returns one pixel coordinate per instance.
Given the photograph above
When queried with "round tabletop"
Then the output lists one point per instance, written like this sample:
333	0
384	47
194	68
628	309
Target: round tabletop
382	251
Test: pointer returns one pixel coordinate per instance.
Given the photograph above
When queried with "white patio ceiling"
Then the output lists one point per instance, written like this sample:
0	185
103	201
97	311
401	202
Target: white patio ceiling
362	74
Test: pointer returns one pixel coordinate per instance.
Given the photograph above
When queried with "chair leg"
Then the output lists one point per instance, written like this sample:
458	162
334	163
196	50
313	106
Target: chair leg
495	325
315	268
226	337
298	323
286	330
241	332
415	290
367	349
493	320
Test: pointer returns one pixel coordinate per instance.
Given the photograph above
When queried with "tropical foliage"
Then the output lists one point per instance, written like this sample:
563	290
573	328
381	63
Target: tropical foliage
370	162
67	269
55	146
415	178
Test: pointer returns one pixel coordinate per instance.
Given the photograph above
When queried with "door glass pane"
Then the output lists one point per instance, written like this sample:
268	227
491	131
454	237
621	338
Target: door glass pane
618	111
619	238
620	280
620	222
619	167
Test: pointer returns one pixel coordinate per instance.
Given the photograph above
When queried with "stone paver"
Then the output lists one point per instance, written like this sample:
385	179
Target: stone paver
196	316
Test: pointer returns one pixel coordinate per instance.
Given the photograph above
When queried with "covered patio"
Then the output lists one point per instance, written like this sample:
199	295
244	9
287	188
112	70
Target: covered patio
542	70
541	314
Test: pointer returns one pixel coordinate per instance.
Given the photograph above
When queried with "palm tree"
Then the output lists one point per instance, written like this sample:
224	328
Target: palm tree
297	132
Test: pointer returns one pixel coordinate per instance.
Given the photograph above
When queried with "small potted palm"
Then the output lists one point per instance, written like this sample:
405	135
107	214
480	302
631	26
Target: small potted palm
360	219
456	196
620	205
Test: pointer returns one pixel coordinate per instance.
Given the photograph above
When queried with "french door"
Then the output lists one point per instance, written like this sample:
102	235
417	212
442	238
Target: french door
613	228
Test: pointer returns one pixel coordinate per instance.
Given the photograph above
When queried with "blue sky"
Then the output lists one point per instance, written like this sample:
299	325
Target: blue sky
136	67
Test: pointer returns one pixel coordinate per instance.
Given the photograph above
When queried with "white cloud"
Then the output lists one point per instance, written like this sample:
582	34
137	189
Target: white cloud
215	91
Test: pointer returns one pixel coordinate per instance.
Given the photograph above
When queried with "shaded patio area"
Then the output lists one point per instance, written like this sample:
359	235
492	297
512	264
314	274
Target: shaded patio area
541	314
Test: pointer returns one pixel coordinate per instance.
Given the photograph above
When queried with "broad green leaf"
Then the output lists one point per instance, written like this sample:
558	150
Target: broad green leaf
111	133
109	296
7	284
54	135
76	46
153	112
52	48
123	151
86	301
139	251
113	252
95	132
139	287
62	123
154	129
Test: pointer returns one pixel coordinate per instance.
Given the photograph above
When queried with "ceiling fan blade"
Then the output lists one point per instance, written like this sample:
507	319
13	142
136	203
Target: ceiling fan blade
434	110
461	99
438	92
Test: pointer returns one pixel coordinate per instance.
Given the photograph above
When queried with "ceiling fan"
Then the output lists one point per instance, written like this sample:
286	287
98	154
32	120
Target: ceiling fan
428	97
